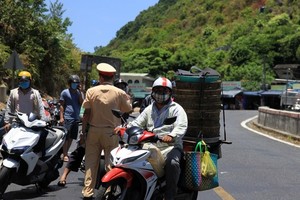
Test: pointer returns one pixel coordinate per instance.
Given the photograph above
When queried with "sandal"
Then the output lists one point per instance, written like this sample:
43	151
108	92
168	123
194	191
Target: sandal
62	183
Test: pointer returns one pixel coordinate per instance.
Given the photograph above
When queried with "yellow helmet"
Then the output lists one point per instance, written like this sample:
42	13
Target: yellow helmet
24	75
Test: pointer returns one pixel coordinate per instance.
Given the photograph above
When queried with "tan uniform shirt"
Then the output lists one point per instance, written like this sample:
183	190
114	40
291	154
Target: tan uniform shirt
101	100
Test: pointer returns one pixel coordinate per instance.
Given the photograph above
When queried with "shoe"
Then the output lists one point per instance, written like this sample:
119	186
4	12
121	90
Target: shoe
62	183
88	198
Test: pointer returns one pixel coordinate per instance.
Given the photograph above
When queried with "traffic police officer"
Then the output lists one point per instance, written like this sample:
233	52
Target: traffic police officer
98	105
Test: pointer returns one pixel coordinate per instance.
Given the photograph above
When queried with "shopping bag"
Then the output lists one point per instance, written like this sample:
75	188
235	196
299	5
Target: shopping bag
208	168
208	183
191	171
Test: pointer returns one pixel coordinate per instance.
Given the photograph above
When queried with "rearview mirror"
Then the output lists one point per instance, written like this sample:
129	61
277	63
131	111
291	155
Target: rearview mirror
117	113
135	104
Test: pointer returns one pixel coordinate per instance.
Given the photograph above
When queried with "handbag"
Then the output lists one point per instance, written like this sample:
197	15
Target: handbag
191	170
191	176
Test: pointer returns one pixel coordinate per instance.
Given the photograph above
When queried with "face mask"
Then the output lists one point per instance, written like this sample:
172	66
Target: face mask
74	86
160	98
24	84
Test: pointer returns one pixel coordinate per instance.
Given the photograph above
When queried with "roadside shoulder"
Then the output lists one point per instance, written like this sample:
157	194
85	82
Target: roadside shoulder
279	135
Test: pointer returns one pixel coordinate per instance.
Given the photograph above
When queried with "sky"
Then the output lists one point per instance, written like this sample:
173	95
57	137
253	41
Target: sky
96	22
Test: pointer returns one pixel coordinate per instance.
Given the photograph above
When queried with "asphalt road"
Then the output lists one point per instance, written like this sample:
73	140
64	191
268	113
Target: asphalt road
252	167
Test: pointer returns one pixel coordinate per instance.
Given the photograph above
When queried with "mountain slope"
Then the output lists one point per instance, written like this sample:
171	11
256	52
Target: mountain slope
237	38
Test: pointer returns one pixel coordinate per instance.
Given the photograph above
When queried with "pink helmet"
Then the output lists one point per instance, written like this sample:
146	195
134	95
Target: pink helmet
162	82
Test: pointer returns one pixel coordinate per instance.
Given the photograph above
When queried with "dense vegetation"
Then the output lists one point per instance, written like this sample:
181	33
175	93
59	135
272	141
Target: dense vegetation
238	38
39	36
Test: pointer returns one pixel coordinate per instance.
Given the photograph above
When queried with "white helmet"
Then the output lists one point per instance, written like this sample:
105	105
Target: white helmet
162	82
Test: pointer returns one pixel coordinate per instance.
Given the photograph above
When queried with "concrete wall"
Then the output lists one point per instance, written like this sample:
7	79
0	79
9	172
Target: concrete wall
281	120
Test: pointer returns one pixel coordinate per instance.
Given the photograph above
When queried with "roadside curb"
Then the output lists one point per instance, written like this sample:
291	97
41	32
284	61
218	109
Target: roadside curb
252	125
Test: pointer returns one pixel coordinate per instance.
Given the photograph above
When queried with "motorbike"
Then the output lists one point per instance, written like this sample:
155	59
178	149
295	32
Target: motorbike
24	162
134	175
54	109
47	109
2	128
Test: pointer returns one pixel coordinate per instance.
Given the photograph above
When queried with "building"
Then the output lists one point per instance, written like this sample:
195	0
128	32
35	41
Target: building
140	84
288	71
137	78
232	95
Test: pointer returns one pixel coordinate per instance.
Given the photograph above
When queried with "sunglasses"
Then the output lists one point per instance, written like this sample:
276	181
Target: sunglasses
161	90
23	80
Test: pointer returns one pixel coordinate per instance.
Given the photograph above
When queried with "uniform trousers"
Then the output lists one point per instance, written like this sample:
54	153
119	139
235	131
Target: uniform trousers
98	139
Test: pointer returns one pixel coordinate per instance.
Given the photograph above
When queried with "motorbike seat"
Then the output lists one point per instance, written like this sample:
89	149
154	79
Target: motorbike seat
53	137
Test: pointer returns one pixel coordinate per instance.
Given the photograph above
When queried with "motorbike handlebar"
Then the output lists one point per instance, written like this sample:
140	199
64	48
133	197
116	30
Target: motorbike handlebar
156	138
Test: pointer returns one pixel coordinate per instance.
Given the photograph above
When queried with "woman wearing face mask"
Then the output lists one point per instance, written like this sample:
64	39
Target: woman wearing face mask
70	103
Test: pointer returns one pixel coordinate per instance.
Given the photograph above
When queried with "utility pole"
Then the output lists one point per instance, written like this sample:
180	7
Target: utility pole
286	87
264	74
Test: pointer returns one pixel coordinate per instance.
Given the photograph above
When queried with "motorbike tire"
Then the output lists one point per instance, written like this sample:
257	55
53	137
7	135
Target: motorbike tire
194	195
115	189
5	176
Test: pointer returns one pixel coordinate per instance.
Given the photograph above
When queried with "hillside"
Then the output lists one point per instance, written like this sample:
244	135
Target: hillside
237	38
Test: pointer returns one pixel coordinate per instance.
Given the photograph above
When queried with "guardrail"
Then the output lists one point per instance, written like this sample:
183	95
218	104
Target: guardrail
281	120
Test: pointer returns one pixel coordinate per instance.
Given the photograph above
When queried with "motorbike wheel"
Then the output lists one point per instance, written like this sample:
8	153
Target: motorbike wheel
194	195
115	189
5	175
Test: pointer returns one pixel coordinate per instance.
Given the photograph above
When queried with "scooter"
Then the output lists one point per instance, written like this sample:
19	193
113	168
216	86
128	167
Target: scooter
24	163
54	111
2	128
136	174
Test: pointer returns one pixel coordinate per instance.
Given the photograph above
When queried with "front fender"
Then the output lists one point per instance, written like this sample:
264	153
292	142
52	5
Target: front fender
118	173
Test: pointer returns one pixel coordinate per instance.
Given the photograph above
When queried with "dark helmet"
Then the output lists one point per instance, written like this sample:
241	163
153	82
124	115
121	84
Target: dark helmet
74	79
119	81
94	82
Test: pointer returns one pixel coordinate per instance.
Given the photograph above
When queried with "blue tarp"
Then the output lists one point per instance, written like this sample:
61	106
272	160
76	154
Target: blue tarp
263	93
252	93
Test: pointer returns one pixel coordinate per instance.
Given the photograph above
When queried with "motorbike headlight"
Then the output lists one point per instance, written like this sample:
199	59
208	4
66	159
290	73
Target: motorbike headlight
131	159
19	150
134	139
